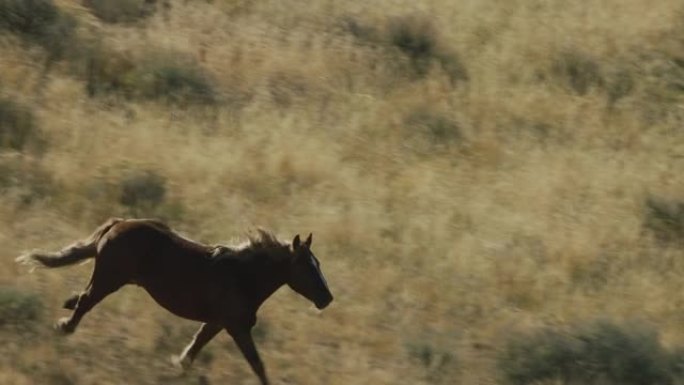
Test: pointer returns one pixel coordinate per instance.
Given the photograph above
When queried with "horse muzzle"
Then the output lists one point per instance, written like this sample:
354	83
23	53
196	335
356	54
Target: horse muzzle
320	305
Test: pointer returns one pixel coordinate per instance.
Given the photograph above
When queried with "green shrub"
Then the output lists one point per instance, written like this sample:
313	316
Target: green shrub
597	353
18	128
158	77
427	130
434	360
105	71
619	84
39	22
31	18
125	190
116	11
419	40
173	82
664	219
415	37
428	355
452	65
142	190
661	78
578	70
18	307
360	31
24	180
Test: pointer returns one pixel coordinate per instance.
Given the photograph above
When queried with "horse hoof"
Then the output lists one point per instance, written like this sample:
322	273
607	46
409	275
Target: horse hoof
63	326
181	362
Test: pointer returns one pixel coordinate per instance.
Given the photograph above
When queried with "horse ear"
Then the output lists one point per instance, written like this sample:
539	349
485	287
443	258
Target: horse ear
296	242
308	240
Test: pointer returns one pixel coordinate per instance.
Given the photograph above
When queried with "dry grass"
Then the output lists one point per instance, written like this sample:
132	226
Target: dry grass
437	247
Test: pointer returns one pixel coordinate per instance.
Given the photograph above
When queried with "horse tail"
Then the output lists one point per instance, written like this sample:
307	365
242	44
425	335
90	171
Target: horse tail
73	253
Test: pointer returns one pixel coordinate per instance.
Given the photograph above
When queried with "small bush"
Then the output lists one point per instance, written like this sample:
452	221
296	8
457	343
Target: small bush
18	307
116	11
360	31
451	64
665	219
159	77
172	82
437	362
125	190
105	71
18	128
418	39
619	84
38	21
432	129
435	359
661	78
578	70
31	18
25	181
545	355
142	190
415	37
597	353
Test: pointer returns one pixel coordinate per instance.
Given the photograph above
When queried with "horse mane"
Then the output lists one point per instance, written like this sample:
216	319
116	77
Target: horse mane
263	239
257	241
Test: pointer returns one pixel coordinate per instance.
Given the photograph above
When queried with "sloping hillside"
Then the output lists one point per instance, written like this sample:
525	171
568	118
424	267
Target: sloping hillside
476	174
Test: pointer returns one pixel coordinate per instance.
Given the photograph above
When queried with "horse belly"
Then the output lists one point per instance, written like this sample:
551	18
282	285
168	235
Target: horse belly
190	304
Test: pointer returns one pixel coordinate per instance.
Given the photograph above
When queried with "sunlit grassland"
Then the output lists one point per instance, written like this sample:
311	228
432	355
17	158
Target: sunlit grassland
470	170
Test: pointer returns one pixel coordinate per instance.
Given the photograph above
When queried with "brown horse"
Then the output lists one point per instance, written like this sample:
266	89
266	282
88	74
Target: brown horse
222	287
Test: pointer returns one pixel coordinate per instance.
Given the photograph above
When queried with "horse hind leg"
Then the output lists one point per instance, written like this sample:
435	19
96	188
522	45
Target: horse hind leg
71	302
86	301
101	285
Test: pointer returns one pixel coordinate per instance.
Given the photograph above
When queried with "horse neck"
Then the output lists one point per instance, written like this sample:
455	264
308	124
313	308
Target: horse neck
269	273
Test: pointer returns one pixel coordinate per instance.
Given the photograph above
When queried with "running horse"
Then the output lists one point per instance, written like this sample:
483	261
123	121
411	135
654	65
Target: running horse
220	286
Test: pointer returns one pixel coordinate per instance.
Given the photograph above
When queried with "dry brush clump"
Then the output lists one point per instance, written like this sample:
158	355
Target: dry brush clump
25	181
438	361
19	130
414	38
601	352
128	190
18	307
118	11
578	70
418	39
166	77
664	219
437	128
38	22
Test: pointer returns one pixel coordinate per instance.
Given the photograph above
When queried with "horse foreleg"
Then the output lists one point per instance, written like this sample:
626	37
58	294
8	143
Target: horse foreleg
205	333
70	303
244	341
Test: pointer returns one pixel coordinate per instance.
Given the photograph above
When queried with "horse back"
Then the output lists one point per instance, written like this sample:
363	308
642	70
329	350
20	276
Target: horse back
177	272
146	246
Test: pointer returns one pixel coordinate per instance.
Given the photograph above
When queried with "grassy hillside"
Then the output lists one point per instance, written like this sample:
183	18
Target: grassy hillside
477	174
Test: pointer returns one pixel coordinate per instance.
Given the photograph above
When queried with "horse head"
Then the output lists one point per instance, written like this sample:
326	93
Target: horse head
305	275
